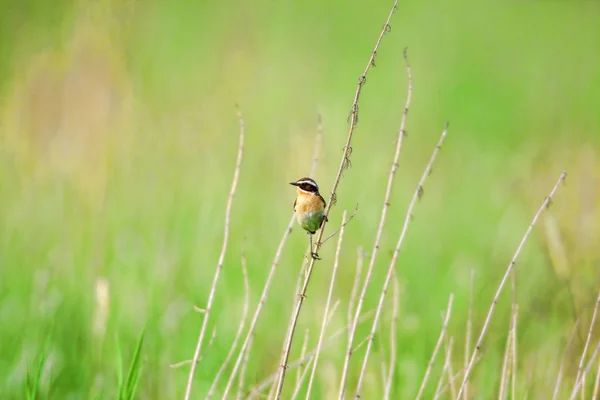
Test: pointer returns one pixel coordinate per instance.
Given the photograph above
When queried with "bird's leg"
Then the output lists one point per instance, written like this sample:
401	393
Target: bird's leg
313	254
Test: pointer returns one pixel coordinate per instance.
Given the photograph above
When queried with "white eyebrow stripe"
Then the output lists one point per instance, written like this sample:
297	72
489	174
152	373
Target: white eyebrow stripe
309	182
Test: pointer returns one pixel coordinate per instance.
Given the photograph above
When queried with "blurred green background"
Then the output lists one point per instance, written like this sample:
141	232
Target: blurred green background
118	141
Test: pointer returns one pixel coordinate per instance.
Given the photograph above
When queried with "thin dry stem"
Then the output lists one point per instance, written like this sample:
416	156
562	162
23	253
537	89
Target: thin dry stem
545	205
437	347
505	366
509	363
213	287
446	369
450	345
344	223
579	382
309	356
300	300
300	371
469	330
393	339
265	291
238	334
384	210
329	296
564	359
409	213
242	377
354	292
596	384
587	342
515	318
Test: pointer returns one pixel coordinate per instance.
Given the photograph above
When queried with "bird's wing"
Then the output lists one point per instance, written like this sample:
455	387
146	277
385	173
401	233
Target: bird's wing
324	205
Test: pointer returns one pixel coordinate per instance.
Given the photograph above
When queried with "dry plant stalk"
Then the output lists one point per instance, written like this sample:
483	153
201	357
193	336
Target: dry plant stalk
344	164
587	343
564	359
303	360
545	205
265	291
300	371
213	287
326	312
354	292
238	334
596	384
469	330
436	349
515	317
327	320
446	370
384	210
581	380
242	377
393	339
409	214
296	313
509	365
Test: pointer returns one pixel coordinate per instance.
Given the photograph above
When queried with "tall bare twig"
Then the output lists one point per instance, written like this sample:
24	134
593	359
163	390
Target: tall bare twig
274	265
384	210
437	347
242	376
564	359
344	164
213	288
515	318
587	343
579	382
446	370
409	214
353	293
303	360
238	334
326	312
393	339
596	384
469	329
545	205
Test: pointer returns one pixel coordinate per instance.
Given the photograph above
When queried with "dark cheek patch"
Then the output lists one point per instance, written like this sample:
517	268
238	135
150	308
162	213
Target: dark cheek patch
308	187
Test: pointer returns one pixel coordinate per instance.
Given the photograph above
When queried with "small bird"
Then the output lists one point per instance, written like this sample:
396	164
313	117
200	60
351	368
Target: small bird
309	207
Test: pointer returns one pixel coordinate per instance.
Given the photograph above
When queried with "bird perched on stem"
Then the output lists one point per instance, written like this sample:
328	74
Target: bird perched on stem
309	207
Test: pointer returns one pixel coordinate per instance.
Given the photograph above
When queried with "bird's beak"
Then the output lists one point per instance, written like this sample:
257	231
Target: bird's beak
293	184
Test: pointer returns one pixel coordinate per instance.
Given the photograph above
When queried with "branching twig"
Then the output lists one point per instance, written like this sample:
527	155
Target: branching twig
384	210
409	213
344	164
265	291
587	343
545	205
393	339
437	347
213	288
344	223
238	334
564	359
329	296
